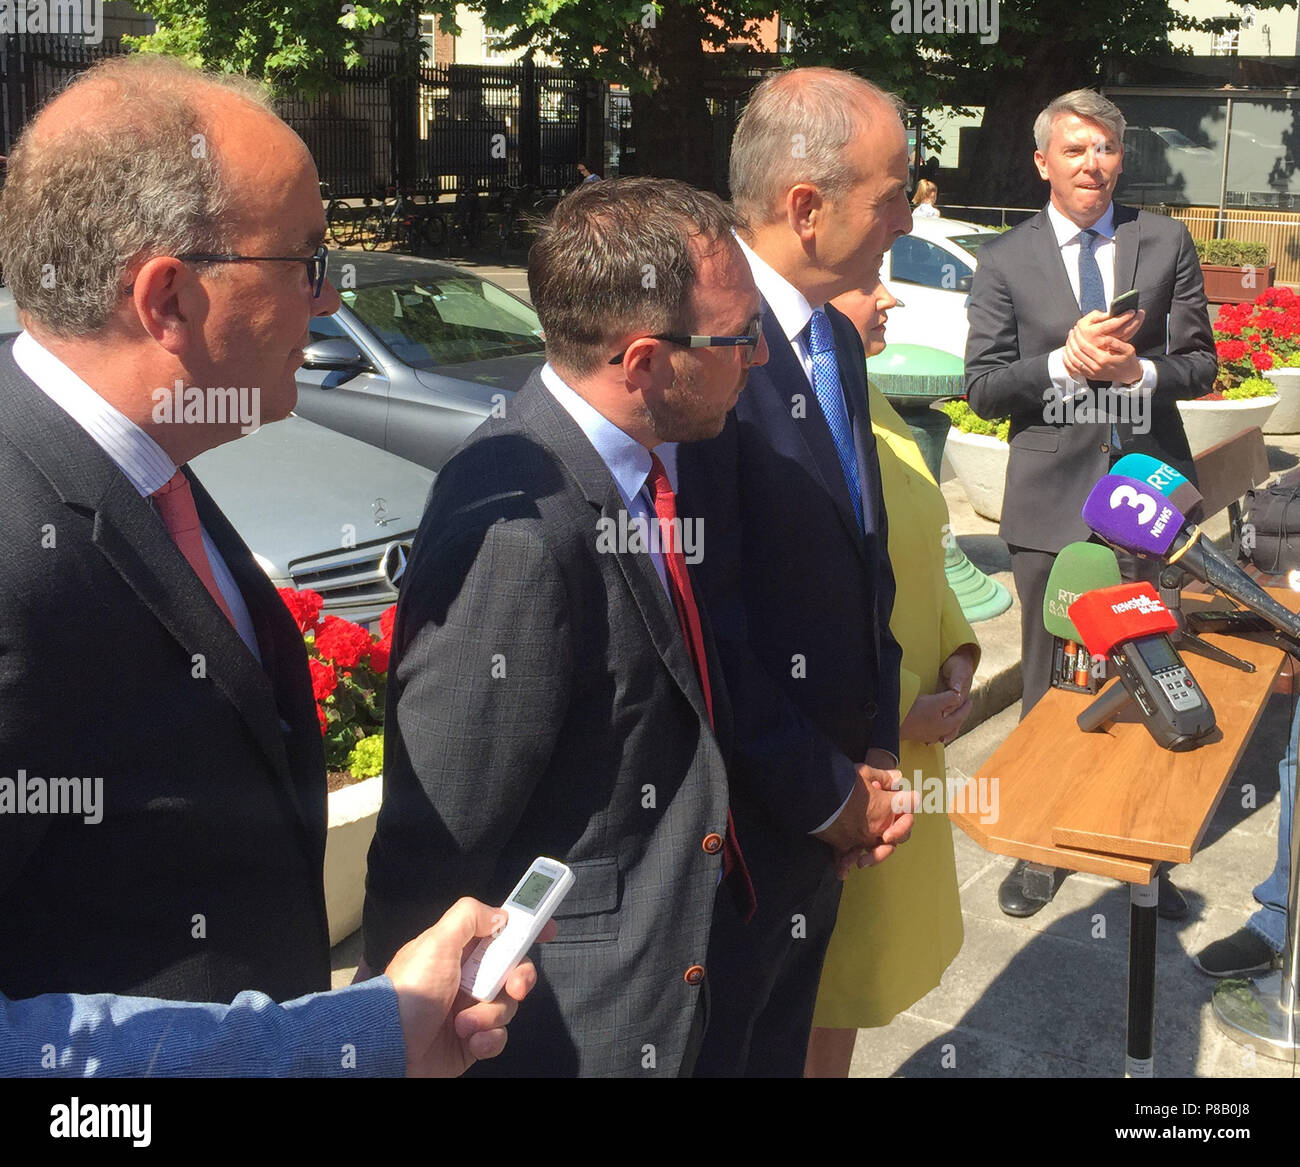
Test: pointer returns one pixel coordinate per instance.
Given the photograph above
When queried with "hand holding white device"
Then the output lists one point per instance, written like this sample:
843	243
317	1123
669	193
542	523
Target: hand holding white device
527	909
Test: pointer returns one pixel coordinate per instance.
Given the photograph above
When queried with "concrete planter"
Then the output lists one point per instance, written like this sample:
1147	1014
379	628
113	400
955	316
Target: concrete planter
353	811
980	463
1207	423
1285	419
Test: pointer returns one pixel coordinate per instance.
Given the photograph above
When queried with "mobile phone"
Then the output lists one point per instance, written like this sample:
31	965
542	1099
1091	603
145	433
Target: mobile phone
527	908
1127	302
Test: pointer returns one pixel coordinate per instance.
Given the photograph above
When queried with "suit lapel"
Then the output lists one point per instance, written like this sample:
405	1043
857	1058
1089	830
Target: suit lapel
553	426
1060	299
1126	248
131	537
791	384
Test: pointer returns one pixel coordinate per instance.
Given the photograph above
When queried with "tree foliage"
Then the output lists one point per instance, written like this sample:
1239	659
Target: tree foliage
1041	48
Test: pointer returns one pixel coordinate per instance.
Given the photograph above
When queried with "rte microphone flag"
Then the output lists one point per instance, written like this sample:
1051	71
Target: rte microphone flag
1168	481
1079	568
1132	515
1110	616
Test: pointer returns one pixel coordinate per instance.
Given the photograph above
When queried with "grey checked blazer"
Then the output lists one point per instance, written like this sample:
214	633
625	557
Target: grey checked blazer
542	702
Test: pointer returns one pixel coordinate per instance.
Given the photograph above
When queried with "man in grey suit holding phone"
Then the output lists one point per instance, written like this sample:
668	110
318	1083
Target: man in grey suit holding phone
554	687
1082	387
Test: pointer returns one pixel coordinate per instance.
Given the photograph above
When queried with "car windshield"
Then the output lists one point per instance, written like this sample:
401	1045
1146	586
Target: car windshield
972	243
450	320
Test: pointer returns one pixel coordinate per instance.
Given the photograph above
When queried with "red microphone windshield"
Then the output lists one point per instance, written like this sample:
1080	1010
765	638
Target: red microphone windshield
1110	616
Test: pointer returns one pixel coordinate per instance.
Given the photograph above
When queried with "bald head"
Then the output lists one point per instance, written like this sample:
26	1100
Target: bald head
798	127
140	156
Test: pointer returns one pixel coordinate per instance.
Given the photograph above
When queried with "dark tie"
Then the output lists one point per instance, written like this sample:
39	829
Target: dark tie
1092	298
830	396
1092	292
175	504
688	616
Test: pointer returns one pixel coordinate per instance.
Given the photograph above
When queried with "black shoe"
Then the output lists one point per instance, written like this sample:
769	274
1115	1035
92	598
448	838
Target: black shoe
1011	894
1237	955
1171	905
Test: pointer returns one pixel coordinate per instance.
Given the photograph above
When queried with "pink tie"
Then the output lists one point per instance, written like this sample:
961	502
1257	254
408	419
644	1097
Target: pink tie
175	504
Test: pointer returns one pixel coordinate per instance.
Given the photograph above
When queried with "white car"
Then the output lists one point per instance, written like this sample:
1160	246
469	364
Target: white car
929	273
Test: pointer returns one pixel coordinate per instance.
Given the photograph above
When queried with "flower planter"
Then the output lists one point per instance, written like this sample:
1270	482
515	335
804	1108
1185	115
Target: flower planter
980	463
353	811
1207	423
1285	419
1235	285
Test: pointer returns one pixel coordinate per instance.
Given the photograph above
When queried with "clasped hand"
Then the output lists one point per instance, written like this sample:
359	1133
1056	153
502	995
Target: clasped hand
877	817
1098	348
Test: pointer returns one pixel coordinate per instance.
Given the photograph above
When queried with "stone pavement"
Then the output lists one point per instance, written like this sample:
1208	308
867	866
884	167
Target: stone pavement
1045	997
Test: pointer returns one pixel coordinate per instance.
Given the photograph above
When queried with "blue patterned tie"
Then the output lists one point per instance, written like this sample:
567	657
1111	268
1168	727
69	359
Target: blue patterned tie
1092	298
1092	293
830	396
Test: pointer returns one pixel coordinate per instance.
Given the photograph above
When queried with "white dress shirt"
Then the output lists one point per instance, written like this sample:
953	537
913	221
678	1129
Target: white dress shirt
1068	239
144	462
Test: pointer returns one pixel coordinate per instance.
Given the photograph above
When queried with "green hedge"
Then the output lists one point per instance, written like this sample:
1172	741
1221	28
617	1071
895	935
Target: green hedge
1232	252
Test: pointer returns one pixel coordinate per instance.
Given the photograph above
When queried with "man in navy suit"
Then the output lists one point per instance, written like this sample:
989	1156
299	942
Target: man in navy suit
794	565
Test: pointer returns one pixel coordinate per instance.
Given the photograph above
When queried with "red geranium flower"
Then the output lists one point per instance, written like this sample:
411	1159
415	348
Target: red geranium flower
379	654
324	721
323	680
1262	360
386	622
341	641
304	606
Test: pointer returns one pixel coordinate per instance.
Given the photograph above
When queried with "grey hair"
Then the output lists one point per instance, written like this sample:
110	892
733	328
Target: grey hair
1083	103
615	257
795	129
129	181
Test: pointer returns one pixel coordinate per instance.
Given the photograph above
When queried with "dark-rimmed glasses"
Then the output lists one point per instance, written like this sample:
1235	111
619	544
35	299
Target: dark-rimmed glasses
316	263
749	340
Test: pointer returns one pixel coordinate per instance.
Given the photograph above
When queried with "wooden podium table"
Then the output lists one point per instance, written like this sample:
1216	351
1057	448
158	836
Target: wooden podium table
1114	803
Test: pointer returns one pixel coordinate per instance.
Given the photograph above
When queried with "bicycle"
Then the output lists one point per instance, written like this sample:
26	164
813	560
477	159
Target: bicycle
468	220
342	221
412	227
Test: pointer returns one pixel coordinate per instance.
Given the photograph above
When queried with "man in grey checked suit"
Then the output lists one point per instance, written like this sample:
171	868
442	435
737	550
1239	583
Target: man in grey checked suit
544	698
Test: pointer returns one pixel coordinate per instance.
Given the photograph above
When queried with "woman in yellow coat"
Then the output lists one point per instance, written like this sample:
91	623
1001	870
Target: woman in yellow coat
899	924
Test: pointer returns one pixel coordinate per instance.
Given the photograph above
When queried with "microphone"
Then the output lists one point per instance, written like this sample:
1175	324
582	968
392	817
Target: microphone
1079	568
1168	481
1130	625
1129	514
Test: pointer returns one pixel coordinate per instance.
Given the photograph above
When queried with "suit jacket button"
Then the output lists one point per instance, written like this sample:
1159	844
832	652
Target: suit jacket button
712	843
869	711
694	974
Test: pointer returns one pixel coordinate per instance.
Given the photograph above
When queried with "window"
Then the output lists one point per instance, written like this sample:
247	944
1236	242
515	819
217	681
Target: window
916	261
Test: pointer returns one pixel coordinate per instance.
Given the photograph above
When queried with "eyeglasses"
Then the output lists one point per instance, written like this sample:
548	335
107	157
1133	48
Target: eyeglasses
316	263
749	340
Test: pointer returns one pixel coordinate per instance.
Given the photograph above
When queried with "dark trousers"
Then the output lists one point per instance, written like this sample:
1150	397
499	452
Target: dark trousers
763	976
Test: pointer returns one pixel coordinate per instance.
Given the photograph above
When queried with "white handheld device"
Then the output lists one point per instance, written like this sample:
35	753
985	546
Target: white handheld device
527	908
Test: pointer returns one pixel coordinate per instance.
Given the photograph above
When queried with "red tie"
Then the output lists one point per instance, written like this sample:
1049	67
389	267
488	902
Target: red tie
688	616
175	504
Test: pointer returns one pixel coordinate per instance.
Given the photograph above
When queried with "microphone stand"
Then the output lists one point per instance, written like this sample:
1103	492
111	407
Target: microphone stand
1171	584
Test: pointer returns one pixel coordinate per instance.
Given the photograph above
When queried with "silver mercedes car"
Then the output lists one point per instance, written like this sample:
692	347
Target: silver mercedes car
318	509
